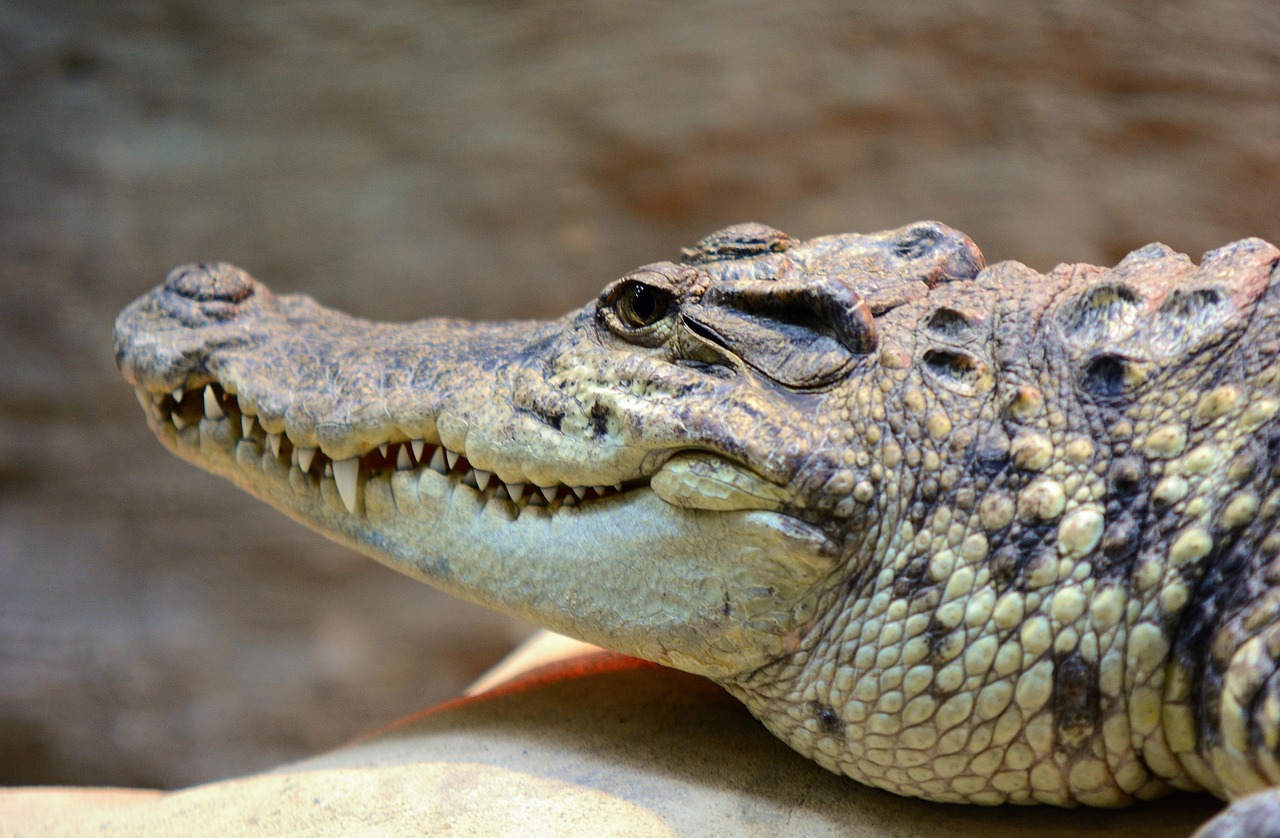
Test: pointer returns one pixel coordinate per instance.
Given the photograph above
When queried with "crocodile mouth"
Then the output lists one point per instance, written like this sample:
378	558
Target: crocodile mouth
209	415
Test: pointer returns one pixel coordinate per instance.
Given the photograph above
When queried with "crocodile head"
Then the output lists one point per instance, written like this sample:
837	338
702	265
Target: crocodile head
658	472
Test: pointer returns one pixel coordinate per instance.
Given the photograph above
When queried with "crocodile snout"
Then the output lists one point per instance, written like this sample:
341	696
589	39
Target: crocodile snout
168	335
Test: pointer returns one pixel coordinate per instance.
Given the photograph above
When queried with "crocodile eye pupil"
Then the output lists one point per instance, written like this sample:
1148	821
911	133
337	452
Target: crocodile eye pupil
641	306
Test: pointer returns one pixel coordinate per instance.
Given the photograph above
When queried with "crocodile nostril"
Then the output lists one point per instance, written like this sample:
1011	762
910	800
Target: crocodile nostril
210	282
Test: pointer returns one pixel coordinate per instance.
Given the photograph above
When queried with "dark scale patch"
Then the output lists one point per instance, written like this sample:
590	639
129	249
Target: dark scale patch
959	370
1031	537
950	323
1075	699
1193	303
987	460
1231	582
1273	450
911	579
1121	538
935	634
1124	478
829	721
599	416
1003	565
1105	377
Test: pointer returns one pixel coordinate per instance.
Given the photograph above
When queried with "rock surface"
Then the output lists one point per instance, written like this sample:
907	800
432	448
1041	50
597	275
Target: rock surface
597	744
484	160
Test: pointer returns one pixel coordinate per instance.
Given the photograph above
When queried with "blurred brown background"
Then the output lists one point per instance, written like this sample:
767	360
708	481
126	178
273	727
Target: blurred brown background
488	159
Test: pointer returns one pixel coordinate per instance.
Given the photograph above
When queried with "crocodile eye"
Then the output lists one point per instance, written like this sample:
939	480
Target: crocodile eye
641	305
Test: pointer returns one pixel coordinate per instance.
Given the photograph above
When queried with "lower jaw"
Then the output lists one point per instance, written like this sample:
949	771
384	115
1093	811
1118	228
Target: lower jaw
625	570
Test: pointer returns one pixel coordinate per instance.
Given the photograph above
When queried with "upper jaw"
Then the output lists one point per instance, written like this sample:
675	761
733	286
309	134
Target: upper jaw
212	350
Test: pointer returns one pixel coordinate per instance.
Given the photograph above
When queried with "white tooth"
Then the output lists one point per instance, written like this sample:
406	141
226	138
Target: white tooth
450	457
345	475
515	491
418	445
177	394
569	500
305	456
382	449
600	490
437	460
618	486
143	399
482	479
178	421
328	469
246	424
580	491
274	439
402	458
548	492
212	410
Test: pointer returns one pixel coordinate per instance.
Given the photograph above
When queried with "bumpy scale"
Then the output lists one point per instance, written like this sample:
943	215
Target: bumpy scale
964	533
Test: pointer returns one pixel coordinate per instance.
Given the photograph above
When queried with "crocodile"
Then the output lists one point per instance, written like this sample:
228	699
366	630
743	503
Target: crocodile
969	533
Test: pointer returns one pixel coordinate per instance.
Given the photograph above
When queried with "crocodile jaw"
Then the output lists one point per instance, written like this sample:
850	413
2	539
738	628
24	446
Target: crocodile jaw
677	556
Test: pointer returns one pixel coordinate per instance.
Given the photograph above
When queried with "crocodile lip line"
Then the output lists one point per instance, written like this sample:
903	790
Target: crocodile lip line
186	413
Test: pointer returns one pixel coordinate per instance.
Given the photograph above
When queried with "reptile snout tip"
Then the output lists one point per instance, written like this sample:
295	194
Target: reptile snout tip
204	282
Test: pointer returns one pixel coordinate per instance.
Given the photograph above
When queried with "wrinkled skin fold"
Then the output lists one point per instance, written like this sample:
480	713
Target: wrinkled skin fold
966	533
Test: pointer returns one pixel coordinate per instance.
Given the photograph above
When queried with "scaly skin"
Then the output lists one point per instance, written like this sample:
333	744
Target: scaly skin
975	535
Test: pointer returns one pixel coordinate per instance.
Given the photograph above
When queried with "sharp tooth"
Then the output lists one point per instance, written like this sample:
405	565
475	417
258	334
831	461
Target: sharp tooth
328	469
402	458
274	439
600	490
482	479
212	410
418	445
580	491
246	424
177	394
305	456
437	460
143	399
515	491
382	449
450	457
569	500
618	486
178	421
346	476
548	492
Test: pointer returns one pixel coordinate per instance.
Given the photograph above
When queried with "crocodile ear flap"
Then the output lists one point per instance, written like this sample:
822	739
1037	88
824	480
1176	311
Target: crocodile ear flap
801	335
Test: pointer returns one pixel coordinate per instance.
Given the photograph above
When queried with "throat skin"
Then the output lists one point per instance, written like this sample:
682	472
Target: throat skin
968	533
